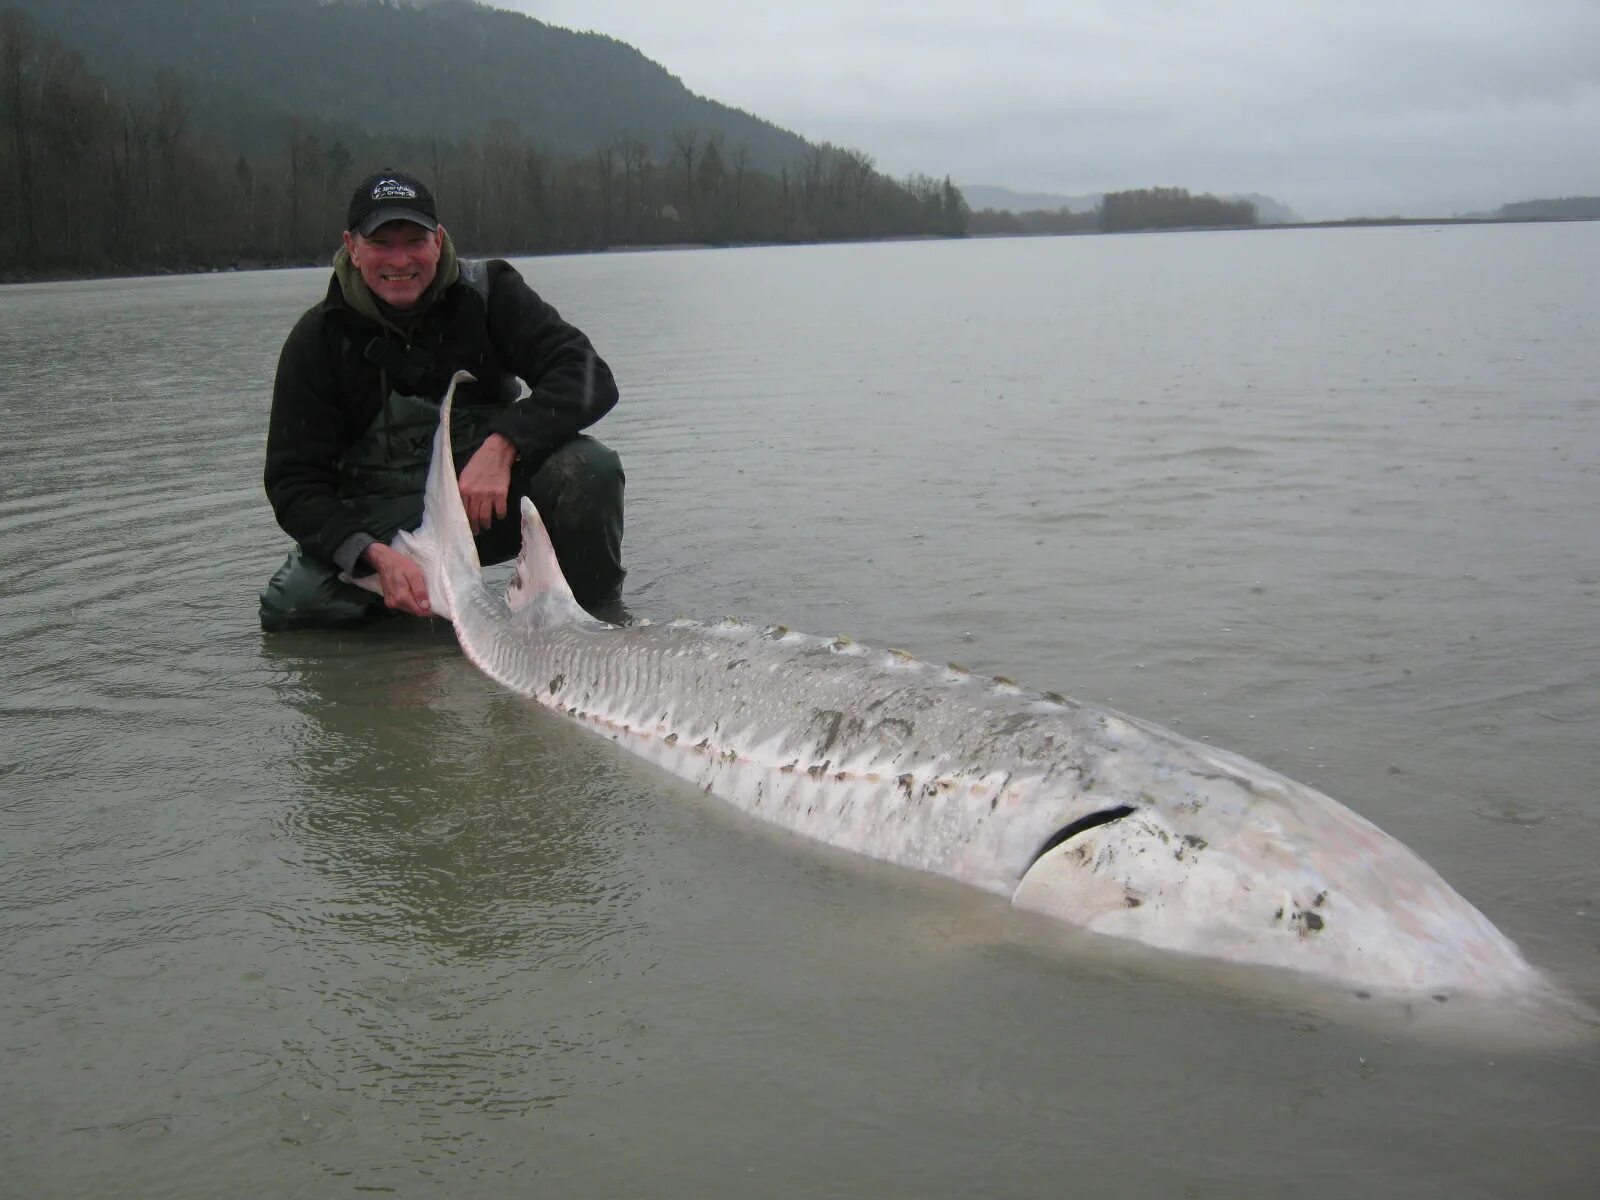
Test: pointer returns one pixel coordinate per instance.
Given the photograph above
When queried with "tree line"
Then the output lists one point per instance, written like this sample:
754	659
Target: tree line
1171	208
96	179
1035	221
1123	212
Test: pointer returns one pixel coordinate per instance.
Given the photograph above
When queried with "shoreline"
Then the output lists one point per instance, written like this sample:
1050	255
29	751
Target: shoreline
246	265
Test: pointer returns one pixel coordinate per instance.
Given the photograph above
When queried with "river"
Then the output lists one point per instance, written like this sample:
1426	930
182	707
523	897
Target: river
323	914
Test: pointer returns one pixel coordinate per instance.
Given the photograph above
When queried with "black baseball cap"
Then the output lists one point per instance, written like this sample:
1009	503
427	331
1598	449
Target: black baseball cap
390	196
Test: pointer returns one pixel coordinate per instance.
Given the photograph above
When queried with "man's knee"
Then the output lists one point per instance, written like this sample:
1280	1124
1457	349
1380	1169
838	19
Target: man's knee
578	491
306	593
581	478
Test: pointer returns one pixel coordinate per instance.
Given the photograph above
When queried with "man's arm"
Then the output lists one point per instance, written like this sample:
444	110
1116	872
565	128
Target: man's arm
572	387
485	481
305	439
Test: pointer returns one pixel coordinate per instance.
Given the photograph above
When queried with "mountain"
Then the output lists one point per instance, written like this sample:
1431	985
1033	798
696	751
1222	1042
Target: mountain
1003	199
377	67
142	135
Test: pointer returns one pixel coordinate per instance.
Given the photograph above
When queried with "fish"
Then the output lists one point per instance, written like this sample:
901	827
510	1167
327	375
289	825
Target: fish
1092	817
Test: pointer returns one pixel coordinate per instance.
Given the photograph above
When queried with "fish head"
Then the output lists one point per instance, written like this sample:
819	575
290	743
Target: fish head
1244	865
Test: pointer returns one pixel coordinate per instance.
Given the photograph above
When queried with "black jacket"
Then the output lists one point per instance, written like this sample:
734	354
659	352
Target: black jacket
336	366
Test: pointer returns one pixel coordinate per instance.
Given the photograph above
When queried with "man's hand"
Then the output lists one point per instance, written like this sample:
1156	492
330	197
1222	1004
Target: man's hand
405	587
486	482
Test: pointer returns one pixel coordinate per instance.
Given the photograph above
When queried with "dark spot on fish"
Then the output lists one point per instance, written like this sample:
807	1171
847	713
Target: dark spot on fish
895	724
573	711
830	719
702	743
814	771
559	682
1132	901
1362	995
1015	723
738	662
1278	916
1441	997
671	739
1199	843
905	781
1309	921
788	768
994	801
1320	900
1078	826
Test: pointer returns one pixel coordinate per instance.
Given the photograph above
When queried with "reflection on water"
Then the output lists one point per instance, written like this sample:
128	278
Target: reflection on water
305	915
425	798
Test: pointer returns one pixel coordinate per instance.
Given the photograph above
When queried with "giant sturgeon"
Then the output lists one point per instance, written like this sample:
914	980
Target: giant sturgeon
1091	816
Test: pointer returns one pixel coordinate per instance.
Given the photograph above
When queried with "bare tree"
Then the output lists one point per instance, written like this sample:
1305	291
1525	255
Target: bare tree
18	58
685	142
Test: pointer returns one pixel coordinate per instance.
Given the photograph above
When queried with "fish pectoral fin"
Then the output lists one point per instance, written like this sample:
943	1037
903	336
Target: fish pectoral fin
538	589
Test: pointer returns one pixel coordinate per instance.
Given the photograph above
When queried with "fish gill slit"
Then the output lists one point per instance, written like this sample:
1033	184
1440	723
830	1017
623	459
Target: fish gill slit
1067	832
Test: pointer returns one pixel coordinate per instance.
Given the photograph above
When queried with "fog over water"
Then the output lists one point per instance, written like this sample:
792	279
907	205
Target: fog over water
301	915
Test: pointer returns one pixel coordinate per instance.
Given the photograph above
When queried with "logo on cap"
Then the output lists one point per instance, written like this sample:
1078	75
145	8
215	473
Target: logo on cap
393	189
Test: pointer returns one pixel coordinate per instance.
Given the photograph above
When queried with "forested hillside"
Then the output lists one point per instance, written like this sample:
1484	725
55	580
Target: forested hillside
239	149
379	67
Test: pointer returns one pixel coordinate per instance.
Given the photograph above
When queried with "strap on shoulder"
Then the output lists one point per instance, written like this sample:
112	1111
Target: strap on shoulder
474	272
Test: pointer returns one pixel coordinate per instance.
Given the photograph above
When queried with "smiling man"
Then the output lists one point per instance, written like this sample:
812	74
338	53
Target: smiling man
357	398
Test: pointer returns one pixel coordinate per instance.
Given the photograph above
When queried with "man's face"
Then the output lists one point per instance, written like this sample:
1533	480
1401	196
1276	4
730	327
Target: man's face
397	261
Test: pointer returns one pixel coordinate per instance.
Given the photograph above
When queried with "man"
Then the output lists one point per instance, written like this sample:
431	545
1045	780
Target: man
356	403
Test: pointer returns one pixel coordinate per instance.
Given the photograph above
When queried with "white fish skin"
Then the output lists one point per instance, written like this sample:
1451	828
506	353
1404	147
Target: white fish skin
1094	817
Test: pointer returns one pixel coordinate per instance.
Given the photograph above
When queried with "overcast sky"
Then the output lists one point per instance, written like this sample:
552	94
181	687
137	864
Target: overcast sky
1335	107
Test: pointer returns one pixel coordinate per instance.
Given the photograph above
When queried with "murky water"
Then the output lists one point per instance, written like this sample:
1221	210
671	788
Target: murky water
315	915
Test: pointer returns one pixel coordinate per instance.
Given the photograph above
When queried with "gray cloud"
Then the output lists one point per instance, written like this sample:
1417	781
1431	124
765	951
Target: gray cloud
1424	107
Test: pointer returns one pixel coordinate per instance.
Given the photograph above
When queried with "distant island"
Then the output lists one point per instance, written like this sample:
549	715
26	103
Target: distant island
1003	199
181	135
999	212
1568	208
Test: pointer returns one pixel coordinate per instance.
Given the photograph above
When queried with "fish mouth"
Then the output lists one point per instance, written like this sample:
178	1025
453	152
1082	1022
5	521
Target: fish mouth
1067	832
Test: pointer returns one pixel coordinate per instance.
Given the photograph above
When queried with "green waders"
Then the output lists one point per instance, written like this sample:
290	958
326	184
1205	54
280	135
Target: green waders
578	489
